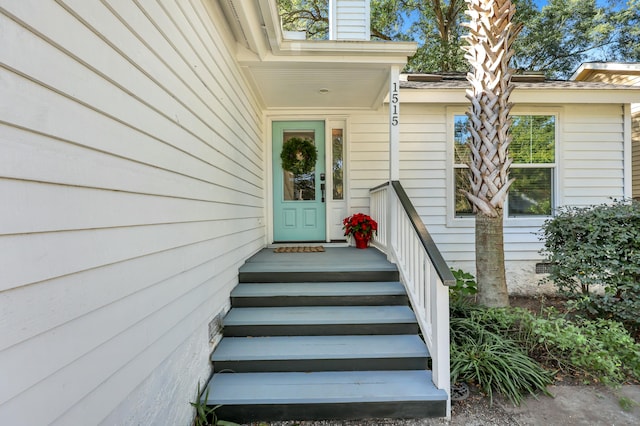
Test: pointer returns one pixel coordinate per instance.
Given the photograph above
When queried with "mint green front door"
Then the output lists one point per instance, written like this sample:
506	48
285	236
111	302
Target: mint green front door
298	201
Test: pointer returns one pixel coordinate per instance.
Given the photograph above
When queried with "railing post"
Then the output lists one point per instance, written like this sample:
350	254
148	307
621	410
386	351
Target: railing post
392	220
394	158
440	320
394	124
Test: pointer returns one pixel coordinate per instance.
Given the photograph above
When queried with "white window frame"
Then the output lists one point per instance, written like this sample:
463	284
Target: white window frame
469	221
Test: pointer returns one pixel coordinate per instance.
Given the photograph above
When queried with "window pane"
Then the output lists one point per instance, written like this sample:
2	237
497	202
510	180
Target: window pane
463	206
461	136
531	193
338	164
533	139
300	187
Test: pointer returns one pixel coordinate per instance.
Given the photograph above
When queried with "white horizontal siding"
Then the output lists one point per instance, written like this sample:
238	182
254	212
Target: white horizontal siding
592	141
590	170
630	78
368	134
131	179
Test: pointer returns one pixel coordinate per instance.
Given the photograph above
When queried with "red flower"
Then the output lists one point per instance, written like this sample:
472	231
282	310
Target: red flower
360	223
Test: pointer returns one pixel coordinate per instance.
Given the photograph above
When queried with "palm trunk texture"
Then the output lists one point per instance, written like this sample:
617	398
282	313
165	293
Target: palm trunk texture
491	34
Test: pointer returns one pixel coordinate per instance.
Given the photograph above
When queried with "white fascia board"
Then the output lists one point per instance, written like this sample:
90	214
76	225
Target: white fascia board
249	59
339	48
588	67
576	96
526	96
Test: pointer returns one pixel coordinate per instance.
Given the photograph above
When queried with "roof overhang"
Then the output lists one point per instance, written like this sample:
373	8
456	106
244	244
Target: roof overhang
588	70
551	92
309	74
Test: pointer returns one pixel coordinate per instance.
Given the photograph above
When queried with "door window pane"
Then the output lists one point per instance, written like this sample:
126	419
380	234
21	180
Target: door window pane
337	143
299	187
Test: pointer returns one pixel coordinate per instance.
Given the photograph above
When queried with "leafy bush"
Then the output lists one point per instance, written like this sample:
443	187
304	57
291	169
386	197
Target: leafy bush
598	247
465	287
600	350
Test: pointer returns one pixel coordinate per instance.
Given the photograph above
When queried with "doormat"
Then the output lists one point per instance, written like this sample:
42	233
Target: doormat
315	249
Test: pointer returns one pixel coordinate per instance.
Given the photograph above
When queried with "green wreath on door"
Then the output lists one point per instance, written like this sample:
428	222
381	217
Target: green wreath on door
298	156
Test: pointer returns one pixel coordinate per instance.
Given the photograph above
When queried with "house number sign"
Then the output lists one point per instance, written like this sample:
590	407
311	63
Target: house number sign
395	105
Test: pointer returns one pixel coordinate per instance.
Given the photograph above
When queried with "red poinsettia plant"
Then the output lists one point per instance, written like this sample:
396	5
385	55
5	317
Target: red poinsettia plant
360	225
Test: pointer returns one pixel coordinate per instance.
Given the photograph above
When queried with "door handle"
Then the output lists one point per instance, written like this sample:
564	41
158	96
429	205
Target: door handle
322	185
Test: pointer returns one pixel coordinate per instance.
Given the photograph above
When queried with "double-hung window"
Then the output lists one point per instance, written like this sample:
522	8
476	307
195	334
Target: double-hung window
534	162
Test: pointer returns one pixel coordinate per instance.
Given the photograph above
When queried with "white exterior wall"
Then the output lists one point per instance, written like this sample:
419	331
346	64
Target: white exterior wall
589	171
635	150
131	187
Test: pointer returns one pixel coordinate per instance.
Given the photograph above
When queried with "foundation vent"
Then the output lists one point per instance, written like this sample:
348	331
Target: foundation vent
543	268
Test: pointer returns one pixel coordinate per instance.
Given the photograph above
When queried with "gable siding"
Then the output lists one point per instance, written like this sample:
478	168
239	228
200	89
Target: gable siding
131	176
590	170
350	20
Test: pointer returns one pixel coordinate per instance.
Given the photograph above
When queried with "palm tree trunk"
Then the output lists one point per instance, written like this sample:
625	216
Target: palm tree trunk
490	272
491	34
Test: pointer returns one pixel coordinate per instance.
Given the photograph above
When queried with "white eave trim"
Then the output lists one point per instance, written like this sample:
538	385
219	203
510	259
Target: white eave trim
527	95
620	67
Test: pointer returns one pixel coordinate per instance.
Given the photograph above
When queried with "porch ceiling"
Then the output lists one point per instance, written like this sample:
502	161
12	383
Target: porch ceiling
309	74
318	86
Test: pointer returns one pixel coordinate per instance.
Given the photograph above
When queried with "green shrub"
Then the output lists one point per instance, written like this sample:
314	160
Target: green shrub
598	246
489	347
600	349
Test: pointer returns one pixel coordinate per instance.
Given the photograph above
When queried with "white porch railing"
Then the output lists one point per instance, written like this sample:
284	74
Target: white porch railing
404	238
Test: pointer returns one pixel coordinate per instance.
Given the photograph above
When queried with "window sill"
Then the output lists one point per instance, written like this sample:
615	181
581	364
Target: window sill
509	222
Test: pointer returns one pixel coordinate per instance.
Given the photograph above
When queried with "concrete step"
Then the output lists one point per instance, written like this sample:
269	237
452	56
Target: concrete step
320	320
319	294
249	397
320	353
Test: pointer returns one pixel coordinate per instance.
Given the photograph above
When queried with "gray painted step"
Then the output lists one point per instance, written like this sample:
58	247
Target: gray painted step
335	264
319	293
249	276
337	395
320	320
320	353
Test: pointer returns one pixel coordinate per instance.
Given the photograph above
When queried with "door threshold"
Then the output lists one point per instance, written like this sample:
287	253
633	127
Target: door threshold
308	243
